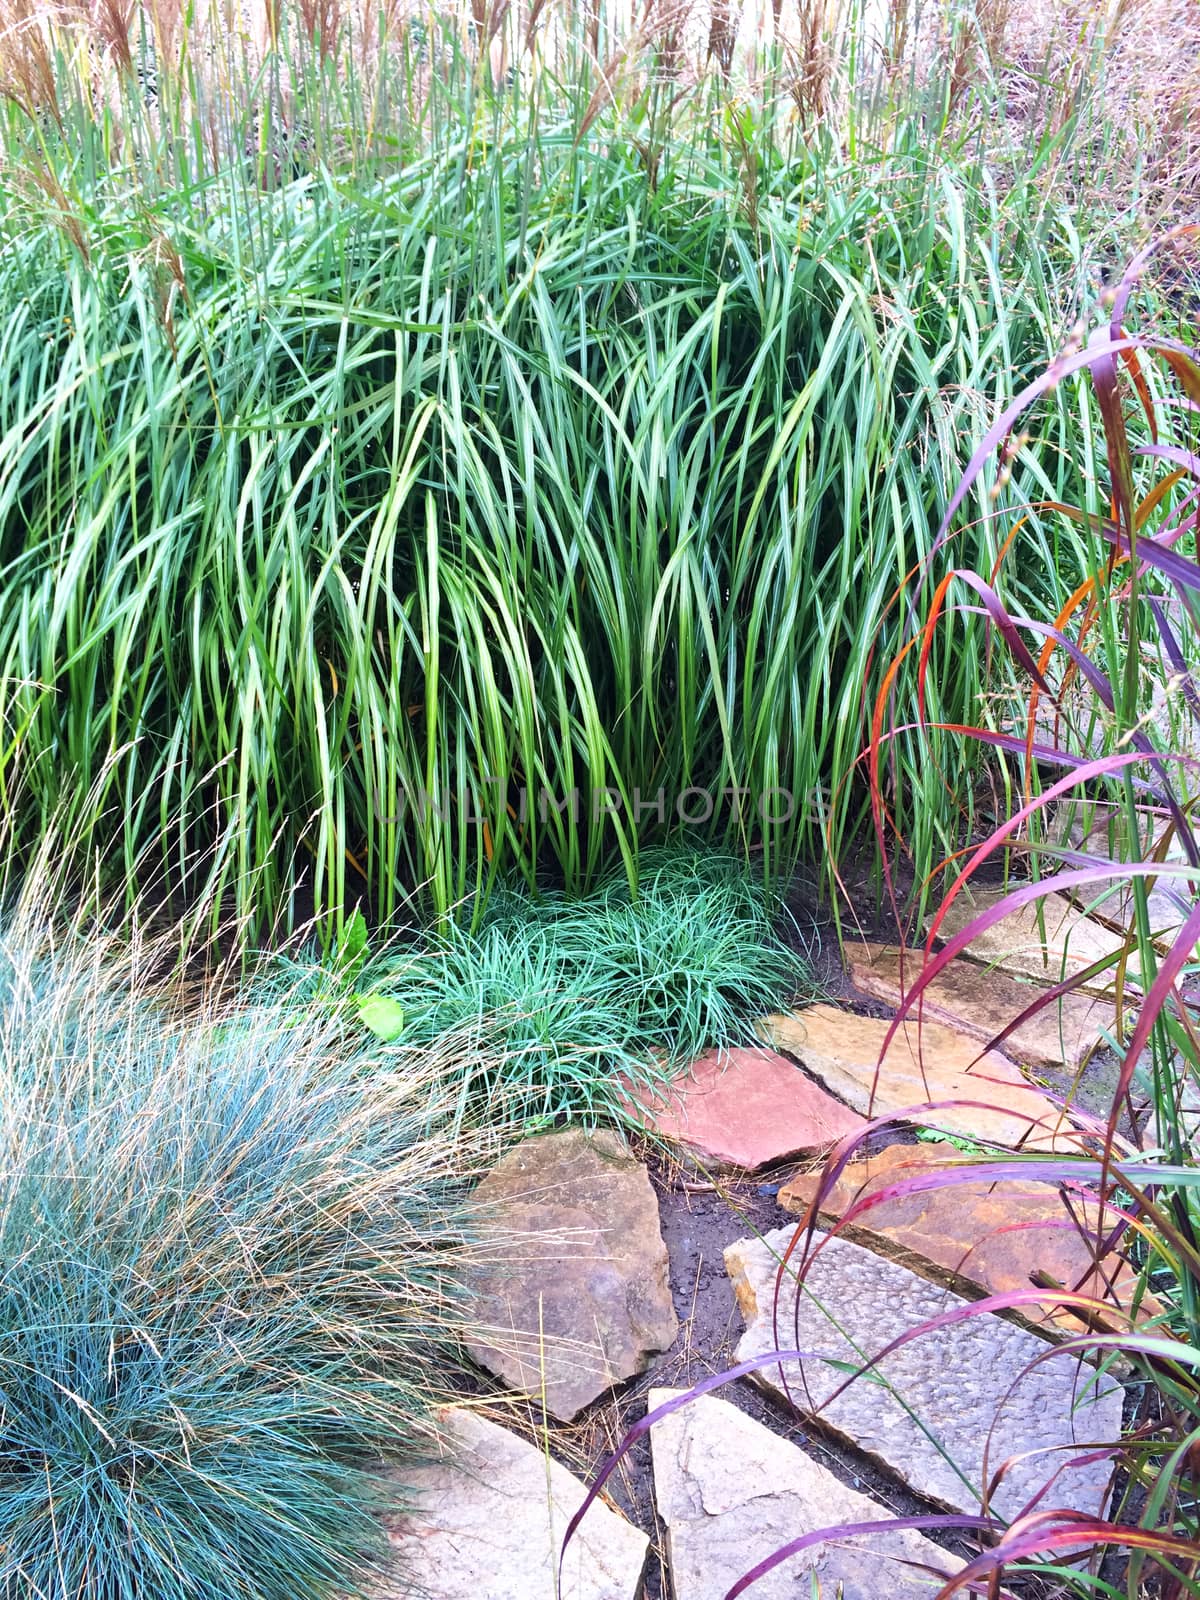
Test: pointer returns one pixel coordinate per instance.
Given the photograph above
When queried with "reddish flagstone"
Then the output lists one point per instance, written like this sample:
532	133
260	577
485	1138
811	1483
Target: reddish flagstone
746	1108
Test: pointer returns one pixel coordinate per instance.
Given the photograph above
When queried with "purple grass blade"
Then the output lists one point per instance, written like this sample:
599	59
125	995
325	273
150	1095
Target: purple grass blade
1174	654
1184	574
1061	1530
1085	664
1061	367
1103	688
854	1530
994	608
1186	459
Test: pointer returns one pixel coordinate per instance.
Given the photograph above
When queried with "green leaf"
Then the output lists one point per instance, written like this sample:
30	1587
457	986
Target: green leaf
352	951
382	1015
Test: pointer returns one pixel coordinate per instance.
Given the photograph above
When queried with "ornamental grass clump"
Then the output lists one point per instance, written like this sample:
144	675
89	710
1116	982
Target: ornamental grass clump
402	490
228	1240
578	998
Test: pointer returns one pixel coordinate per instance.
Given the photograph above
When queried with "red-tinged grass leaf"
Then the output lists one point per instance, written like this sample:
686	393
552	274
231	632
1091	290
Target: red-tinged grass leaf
1084	593
1075	1177
1189	523
1174	654
935	609
1103	372
1136	737
1132	362
942	1175
1007	625
1150	502
856	1530
1006	547
1056	639
1047	1531
1100	766
1062	367
1172	965
1166	1234
1052	755
1182	572
1186	370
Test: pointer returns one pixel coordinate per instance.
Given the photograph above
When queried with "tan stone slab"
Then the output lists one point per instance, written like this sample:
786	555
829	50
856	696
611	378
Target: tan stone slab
985	1237
746	1108
924	1063
982	1004
491	1522
938	1400
729	1492
578	1297
1065	944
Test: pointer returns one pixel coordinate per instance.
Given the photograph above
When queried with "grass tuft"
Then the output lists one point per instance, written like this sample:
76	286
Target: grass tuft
227	1247
575	997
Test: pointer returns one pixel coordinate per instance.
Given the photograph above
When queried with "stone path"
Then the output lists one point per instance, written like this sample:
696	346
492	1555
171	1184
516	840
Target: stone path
990	1237
989	1098
577	1301
1060	943
729	1492
982	1004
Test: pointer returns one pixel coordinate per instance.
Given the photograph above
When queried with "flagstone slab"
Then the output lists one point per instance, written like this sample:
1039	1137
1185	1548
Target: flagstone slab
982	1004
926	1062
984	1237
729	1492
937	1401
578	1296
490	1522
1062	945
746	1108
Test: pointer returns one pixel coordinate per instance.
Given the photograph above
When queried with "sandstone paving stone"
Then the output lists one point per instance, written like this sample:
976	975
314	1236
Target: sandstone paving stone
931	1406
981	1003
1062	945
926	1062
729	1492
988	1237
489	1525
577	1295
746	1108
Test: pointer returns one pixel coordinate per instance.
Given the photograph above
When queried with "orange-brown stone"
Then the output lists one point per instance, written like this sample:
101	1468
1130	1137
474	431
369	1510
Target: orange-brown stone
987	1237
1046	939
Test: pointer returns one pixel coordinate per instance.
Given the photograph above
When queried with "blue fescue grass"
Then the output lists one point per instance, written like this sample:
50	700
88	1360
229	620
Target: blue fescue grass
227	1246
574	999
